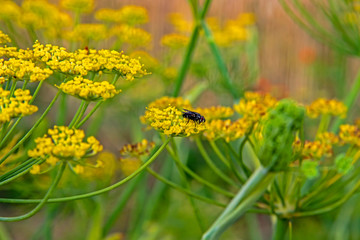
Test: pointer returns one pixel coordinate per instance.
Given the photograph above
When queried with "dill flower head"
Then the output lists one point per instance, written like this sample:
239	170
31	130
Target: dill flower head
166	101
169	121
133	15
255	106
107	15
175	41
316	149
350	134
89	90
326	106
129	165
136	37
4	38
39	14
86	32
227	129
215	112
23	70
138	149
15	106
179	22
63	143
78	6
9	11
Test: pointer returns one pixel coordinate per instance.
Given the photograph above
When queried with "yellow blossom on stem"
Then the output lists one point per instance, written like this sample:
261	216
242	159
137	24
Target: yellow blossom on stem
62	143
107	15
166	101
254	106
10	11
4	38
89	90
326	106
170	122
350	134
175	41
129	165
138	149
78	6
180	24
215	112
227	129
88	32
136	37
15	106
133	15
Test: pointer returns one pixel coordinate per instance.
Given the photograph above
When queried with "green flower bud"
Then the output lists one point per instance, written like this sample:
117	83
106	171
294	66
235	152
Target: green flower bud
309	168
343	163
279	133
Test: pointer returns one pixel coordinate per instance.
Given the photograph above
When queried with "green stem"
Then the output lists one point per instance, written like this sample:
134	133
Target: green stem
42	202
244	199
219	61
36	91
119	206
219	154
280	229
349	101
61	117
183	190
28	134
212	165
94	193
19	173
76	116
78	125
198	178
81	113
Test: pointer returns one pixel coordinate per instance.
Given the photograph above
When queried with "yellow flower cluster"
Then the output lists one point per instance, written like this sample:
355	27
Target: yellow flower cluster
180	24
85	32
215	112
4	38
170	122
350	134
9	11
63	143
227	129
15	106
138	149
83	61
166	101
129	15
254	106
175	41
326	106
136	37
23	70
78	6
89	90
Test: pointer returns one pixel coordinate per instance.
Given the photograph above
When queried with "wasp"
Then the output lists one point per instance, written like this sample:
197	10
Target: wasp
194	116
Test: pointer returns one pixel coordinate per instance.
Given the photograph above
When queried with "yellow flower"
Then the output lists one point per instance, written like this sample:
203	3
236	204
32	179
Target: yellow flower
165	102
316	149
254	106
86	32
227	129
170	122
350	134
89	90
215	112
15	106
246	19
78	6
4	38
107	15
175	41
129	165
133	15
137	149
180	24
136	37
326	106
63	143
10	11
35	169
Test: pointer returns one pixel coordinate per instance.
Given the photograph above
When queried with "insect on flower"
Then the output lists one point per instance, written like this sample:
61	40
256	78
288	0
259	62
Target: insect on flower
194	116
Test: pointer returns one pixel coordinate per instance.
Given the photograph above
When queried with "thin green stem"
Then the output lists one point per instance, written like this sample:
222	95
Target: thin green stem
280	229
81	113
42	202
349	101
20	172
98	104
198	178
28	134
219	154
94	193
76	116
183	190
208	160
36	91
